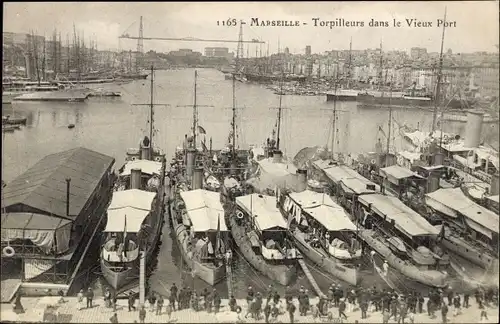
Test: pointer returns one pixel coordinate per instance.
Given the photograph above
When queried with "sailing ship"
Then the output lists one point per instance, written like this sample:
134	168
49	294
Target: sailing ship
323	232
135	214
261	234
468	231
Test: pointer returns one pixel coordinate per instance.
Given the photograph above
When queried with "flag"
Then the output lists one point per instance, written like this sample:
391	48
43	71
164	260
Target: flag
201	130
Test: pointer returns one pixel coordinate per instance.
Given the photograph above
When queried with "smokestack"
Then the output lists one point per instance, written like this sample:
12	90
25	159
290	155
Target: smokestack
135	178
432	182
494	187
390	160
145	152
190	159
197	182
473	128
438	159
277	156
302	180
68	184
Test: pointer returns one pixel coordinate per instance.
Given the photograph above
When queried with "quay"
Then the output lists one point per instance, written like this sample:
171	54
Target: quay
68	312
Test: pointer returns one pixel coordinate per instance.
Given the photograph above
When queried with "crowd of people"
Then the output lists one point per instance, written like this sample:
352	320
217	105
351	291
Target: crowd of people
338	303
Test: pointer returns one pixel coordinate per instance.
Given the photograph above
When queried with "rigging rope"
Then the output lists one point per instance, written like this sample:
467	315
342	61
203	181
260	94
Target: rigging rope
263	285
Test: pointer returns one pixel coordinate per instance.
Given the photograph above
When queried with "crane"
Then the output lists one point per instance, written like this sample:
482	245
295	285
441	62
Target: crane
191	39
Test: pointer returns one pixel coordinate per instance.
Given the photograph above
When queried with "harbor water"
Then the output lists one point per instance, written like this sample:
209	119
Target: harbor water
112	125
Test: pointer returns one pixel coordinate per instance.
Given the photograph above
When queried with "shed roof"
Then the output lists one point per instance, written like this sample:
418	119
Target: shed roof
32	221
43	186
407	220
263	209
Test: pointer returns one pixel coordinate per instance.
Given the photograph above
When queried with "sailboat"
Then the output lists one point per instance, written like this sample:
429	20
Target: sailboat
135	214
197	215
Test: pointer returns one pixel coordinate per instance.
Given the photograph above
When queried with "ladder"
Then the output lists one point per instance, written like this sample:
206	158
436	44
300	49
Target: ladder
309	276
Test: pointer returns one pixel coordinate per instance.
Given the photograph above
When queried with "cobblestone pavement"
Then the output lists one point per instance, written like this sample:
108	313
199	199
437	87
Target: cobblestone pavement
69	313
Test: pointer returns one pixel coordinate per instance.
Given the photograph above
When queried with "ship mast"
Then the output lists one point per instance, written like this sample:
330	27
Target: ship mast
195	111
334	110
349	71
439	76
151	112
279	107
381	66
389	122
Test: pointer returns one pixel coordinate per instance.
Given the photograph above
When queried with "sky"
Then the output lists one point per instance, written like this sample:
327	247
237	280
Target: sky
476	27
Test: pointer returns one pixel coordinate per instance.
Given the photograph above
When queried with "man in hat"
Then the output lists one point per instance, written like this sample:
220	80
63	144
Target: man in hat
173	296
90	297
250	295
385	267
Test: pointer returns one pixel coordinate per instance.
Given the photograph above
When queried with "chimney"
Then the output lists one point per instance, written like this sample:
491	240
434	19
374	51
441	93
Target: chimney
135	178
190	160
145	152
277	156
473	128
302	180
494	184
438	159
68	183
432	182
390	160
197	181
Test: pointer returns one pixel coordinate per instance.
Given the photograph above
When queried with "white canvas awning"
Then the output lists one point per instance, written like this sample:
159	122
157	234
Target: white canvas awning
263	209
146	166
204	210
128	209
407	220
454	199
394	173
322	208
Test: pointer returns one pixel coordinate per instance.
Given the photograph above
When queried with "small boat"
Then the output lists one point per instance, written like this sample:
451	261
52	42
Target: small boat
104	93
200	229
71	126
261	234
8	120
10	128
336	249
69	95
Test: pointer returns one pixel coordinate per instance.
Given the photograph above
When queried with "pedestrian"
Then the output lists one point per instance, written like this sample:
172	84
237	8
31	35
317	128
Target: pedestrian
217	302
314	311
449	294
421	301
79	299
239	317
204	294
114	318
350	299
267	311
270	293
90	297
142	314
209	301
444	312
484	316
249	307
466	299
171	299
394	308
114	301
152	301
131	302
173	295
385	316
364	307
250	295
232	304
456	305
180	299
168	310
403	309
291	311
159	305
18	306
342	307
107	298
61	295
429	307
